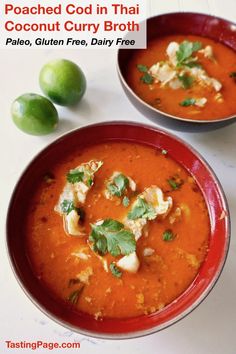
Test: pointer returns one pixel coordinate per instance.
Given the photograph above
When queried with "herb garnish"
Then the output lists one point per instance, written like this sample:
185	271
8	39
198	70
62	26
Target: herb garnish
188	102
146	78
74	296
111	236
193	64
142	209
74	176
168	235
115	270
186	49
68	205
125	201
83	173
175	182
119	185
142	68
186	80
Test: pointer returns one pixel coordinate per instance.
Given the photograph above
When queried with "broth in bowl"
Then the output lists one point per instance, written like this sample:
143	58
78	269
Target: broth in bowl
117	230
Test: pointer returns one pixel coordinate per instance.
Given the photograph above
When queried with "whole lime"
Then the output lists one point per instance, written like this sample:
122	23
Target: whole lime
34	114
63	82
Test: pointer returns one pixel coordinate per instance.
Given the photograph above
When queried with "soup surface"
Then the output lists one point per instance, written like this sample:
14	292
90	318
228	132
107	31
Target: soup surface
155	240
186	76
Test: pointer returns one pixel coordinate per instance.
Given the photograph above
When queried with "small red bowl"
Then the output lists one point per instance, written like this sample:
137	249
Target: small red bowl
208	274
185	23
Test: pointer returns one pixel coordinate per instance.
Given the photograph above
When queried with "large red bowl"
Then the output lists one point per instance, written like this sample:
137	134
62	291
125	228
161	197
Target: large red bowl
138	326
203	25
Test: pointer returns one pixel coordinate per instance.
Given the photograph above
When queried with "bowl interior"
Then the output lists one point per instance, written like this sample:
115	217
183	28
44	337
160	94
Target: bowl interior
218	29
119	328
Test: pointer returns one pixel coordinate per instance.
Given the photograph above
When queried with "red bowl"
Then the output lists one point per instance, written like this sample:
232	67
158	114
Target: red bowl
215	28
208	274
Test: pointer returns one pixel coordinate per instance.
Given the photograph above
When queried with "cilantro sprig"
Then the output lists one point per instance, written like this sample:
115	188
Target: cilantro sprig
188	102
142	209
185	51
118	186
125	201
175	182
68	205
115	270
83	173
74	176
111	236
74	296
146	78
186	80
168	235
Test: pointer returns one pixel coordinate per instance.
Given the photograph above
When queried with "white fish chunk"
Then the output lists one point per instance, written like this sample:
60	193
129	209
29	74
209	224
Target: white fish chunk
85	274
129	263
162	73
72	226
216	84
200	102
136	226
171	51
154	196
81	190
207	52
175	84
148	251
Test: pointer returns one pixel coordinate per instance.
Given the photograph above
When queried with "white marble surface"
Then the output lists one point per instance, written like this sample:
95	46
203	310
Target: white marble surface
211	327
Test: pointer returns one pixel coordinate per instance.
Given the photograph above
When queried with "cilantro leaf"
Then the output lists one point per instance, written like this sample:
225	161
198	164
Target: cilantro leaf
196	46
142	68
175	183
112	237
188	102
111	225
186	49
122	242
119	185
186	80
193	64
125	201
168	235
74	296
68	205
115	270
75	175
147	79
142	209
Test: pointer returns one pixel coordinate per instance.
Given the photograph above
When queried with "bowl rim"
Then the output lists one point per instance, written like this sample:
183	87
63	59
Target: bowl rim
155	110
156	328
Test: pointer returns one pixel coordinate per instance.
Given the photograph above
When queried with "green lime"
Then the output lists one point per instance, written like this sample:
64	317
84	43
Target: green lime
34	114
63	82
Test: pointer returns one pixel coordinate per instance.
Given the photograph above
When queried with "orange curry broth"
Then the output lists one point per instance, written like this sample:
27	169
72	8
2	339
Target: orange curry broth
168	100
161	277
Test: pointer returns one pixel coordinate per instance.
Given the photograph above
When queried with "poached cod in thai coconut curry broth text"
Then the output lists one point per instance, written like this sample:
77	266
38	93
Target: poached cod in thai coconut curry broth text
117	230
186	76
